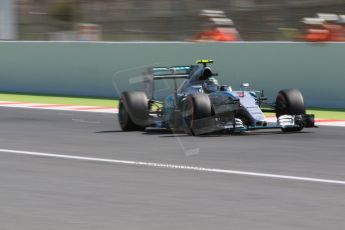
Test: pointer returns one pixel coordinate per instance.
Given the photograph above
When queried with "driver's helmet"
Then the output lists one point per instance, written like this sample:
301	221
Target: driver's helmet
210	85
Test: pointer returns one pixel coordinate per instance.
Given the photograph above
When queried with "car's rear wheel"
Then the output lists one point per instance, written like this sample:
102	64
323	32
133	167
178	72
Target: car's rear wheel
194	109
133	111
290	102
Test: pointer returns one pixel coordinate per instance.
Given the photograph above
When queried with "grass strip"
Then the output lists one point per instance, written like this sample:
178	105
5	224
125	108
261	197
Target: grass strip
84	101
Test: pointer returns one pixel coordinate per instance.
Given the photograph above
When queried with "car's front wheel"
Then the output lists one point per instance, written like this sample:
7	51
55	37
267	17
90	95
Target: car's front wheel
290	102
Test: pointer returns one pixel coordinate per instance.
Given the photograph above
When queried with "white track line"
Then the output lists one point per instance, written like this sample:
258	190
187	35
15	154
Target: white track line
176	167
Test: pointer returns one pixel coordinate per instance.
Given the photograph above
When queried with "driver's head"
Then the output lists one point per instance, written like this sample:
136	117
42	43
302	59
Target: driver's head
210	85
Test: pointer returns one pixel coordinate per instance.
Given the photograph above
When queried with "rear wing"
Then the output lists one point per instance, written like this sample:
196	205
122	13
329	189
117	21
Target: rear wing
174	72
165	73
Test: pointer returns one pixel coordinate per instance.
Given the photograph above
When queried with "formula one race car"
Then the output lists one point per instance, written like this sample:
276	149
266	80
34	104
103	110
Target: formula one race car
199	105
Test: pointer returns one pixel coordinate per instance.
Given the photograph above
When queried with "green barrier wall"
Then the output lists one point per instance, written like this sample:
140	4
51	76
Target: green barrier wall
103	69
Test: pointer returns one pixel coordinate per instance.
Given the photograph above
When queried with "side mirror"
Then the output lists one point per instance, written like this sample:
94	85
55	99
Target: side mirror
225	88
244	86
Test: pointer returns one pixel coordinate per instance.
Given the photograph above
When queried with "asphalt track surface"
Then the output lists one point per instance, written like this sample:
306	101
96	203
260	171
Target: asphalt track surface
45	192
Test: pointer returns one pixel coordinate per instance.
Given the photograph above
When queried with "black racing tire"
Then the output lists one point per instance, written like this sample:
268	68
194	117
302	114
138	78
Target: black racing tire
195	107
290	102
133	111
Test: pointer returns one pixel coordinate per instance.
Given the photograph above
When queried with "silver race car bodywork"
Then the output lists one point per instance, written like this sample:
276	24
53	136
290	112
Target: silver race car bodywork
197	111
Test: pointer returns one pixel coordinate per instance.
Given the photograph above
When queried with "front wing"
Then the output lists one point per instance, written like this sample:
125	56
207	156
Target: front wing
216	124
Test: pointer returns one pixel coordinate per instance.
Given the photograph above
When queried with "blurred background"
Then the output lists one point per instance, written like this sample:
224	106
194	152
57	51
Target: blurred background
157	20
